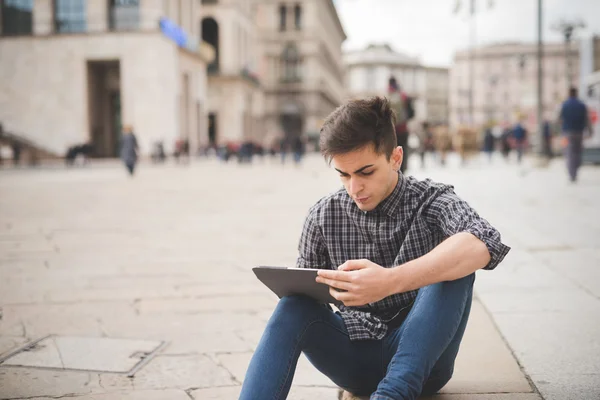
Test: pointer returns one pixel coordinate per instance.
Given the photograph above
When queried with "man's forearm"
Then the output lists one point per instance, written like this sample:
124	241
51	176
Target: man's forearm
456	257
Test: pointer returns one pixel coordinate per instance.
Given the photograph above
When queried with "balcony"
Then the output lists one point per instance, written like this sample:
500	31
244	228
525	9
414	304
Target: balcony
213	69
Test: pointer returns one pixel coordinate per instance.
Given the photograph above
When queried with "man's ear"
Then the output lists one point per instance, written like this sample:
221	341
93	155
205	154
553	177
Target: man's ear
397	157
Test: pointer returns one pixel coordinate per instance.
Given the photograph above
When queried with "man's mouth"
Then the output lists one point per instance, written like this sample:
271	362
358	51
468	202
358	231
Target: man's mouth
362	200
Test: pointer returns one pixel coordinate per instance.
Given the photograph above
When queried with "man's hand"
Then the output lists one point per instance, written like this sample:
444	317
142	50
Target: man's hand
362	282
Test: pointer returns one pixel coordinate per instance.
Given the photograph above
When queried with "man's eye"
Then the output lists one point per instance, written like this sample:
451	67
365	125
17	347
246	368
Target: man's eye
368	173
343	176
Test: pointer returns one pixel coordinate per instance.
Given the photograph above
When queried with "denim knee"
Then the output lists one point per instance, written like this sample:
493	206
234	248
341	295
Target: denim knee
295	310
436	381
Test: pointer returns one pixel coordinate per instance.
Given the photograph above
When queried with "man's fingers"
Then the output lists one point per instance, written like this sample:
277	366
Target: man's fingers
336	284
341	296
335	275
352	265
348	298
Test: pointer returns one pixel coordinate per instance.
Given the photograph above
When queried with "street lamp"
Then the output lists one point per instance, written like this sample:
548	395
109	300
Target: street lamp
567	29
472	37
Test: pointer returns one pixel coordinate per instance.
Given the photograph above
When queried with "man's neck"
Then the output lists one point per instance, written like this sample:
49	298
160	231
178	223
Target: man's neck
393	186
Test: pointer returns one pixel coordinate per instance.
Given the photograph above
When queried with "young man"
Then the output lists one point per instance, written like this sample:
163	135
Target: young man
398	252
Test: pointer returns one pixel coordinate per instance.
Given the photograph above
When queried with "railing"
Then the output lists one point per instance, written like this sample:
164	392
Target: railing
32	149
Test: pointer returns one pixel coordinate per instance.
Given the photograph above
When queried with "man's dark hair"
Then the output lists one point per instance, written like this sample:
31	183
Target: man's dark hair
357	124
572	92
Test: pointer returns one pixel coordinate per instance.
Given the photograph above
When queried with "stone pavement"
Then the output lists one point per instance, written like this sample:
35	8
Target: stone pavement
166	256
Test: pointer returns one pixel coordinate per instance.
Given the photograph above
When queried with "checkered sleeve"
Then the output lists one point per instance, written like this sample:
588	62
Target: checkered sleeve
312	251
448	214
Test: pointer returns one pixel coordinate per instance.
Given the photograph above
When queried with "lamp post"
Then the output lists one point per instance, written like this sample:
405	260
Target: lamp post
567	28
538	139
471	52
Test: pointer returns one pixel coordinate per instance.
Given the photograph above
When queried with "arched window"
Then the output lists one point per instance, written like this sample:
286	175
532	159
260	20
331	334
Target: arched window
210	34
282	17
298	16
291	63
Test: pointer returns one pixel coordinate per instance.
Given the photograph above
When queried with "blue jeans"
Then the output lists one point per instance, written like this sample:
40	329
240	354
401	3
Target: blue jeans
416	358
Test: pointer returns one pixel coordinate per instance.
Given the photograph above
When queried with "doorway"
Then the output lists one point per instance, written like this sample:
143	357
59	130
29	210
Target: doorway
104	107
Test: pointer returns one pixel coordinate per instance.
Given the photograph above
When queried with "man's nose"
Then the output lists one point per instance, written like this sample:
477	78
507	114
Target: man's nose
355	186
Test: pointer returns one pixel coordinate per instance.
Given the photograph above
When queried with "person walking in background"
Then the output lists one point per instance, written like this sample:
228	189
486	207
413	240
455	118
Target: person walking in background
574	121
402	106
426	143
283	147
298	149
489	142
505	141
519	135
442	142
547	138
129	149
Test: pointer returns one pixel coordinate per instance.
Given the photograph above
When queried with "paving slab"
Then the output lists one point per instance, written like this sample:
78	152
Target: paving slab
180	270
84	353
166	394
17	383
485	363
183	372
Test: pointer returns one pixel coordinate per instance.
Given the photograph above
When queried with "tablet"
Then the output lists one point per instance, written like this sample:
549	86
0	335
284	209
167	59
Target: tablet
285	281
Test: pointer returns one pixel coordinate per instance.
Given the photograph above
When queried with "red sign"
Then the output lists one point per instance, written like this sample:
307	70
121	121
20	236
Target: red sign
593	116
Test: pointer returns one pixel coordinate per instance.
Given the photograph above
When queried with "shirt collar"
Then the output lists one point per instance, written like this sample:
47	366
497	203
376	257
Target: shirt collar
389	206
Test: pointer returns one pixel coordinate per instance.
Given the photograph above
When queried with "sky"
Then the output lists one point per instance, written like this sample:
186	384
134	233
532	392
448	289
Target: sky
430	30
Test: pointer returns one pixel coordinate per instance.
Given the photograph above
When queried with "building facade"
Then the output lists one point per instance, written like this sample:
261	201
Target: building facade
234	89
368	72
300	64
505	83
75	71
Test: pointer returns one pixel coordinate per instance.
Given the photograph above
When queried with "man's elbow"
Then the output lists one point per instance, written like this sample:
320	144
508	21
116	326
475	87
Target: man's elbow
480	253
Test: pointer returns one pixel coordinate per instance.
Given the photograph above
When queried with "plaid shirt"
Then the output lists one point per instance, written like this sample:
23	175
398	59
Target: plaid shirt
410	222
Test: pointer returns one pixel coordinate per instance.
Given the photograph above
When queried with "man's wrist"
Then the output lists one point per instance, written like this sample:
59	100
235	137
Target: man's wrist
397	280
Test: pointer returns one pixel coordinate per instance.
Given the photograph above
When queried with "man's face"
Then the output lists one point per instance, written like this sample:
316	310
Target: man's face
367	176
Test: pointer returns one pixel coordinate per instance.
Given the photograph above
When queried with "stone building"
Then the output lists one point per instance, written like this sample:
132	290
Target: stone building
369	70
234	88
301	65
505	83
75	71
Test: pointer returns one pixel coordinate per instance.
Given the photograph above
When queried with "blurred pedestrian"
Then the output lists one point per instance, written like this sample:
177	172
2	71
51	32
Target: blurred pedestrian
489	142
426	141
129	149
519	135
574	120
298	149
404	110
547	140
16	150
466	143
505	139
283	147
443	142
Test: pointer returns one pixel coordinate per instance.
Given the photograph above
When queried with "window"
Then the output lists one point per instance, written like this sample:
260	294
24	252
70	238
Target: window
17	17
298	16
70	16
291	64
282	17
124	15
370	78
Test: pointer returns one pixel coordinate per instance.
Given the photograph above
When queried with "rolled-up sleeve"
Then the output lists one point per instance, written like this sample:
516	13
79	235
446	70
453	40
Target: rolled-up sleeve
448	214
312	251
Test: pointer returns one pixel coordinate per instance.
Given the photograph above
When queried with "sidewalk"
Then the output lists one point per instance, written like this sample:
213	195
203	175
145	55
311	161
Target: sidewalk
167	256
